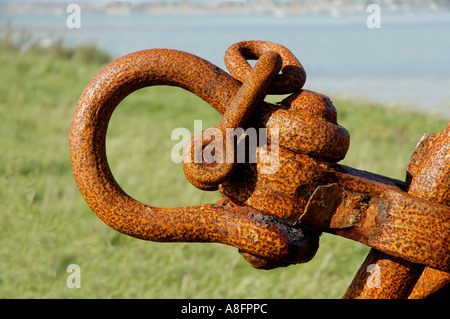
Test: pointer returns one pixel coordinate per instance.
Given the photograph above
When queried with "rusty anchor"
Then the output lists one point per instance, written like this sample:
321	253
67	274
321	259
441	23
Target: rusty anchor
274	216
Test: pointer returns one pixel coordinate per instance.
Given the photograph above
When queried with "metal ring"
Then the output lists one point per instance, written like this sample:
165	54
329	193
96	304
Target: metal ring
250	94
292	77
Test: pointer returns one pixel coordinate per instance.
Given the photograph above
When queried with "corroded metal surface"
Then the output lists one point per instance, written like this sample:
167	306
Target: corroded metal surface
292	77
237	113
274	212
428	177
432	284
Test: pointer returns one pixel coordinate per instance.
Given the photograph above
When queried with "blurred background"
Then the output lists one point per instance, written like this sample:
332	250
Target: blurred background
404	61
386	70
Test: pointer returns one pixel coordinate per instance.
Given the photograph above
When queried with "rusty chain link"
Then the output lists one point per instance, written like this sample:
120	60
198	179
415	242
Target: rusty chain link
274	218
208	176
292	77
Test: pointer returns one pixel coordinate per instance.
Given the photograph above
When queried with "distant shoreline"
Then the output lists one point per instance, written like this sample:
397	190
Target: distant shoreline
404	61
170	10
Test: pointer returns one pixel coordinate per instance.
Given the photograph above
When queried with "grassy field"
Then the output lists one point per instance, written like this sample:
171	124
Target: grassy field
45	224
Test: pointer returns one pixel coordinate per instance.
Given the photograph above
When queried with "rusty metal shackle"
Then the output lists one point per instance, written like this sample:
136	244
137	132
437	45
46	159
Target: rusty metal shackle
254	233
209	175
263	78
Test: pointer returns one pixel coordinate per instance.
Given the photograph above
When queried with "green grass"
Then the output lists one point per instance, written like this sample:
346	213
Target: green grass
45	224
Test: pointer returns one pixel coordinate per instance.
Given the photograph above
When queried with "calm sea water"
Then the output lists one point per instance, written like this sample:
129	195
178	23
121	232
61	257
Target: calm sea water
405	61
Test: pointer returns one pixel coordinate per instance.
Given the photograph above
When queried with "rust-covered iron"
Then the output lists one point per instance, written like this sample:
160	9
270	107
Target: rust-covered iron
274	214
